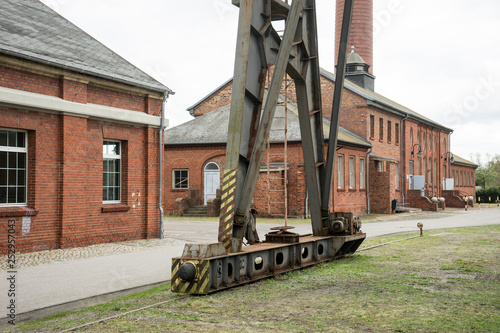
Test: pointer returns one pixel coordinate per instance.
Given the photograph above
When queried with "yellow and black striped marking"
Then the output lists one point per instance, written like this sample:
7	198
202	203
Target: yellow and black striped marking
200	284
227	208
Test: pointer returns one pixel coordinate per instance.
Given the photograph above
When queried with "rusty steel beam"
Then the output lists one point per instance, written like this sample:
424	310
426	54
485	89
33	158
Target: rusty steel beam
337	101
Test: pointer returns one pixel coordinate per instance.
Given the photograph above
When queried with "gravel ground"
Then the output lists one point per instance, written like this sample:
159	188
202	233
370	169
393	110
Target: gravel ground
98	250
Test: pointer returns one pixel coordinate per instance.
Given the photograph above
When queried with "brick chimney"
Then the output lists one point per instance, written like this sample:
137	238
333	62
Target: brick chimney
361	30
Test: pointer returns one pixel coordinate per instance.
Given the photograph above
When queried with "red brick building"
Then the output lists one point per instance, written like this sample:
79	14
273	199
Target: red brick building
195	152
410	154
79	136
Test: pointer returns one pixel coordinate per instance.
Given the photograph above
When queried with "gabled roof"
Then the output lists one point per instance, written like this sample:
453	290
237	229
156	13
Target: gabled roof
31	30
372	98
462	161
211	128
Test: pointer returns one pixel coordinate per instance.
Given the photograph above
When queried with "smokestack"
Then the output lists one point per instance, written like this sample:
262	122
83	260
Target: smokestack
361	30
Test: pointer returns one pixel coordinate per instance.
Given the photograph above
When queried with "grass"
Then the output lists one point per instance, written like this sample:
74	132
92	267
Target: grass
446	281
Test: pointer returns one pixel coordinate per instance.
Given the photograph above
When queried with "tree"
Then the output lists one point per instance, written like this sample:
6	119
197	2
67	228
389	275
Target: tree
488	173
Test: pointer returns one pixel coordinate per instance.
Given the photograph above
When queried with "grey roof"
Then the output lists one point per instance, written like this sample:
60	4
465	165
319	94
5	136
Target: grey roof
383	102
31	30
212	128
354	58
462	161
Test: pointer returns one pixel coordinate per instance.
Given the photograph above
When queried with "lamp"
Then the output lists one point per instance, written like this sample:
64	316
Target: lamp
452	158
420	152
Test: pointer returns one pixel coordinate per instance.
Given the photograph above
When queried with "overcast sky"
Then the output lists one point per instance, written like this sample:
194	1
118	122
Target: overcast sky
440	58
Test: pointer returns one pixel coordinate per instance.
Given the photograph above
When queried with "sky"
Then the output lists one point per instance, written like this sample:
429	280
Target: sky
439	58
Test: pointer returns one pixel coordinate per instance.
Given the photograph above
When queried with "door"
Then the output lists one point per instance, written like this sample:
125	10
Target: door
212	181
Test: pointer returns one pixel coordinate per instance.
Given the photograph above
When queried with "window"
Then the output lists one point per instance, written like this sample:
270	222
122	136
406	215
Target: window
435	171
389	131
424	170
411	168
352	172
396	134
429	140
180	179
444	172
419	166
362	172
423	141
379	166
396	176
381	129
372	127
340	172
444	145
411	137
13	167
111	179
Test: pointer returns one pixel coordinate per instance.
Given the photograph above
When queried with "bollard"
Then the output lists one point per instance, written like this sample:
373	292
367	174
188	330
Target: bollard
489	201
465	199
479	200
498	205
420	226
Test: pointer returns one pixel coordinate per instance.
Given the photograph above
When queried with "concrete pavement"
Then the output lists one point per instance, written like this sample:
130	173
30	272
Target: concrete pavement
50	284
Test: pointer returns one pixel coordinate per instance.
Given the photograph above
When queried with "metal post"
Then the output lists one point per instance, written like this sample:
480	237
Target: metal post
337	100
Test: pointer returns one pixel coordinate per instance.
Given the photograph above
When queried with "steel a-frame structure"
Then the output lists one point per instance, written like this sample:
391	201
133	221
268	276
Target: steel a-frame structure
204	268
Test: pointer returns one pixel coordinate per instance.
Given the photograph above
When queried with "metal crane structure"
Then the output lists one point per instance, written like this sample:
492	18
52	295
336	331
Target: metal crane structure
208	267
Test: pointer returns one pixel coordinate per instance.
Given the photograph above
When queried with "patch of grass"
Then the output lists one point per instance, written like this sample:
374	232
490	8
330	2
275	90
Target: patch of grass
442	282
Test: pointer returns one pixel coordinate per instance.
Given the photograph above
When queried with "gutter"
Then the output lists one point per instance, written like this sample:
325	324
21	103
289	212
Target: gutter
163	125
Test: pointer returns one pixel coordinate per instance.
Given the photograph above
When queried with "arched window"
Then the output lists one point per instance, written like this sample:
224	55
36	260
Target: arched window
444	146
211	166
411	137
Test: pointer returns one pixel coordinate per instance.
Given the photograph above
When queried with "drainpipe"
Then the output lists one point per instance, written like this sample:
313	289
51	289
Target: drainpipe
449	157
401	149
163	124
368	180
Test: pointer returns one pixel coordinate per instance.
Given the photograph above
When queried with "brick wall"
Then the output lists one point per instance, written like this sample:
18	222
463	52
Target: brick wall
65	168
217	100
196	158
465	181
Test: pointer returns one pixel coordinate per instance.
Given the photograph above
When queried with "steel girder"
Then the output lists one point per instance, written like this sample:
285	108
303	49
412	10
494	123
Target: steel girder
258	48
205	268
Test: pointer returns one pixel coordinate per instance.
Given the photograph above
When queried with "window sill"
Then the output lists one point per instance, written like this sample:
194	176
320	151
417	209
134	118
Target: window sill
17	211
341	190
112	208
179	189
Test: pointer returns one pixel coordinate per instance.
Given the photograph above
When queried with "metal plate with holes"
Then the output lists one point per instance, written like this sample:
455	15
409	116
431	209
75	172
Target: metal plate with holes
259	261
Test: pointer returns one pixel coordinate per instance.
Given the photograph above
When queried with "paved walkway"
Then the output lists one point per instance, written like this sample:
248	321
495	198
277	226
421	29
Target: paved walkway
50	278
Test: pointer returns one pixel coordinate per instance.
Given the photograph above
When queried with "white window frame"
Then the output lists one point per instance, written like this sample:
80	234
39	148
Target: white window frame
173	179
362	167
352	172
17	150
115	157
340	171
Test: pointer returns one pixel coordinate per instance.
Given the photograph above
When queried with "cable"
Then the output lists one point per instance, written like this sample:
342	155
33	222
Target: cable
122	314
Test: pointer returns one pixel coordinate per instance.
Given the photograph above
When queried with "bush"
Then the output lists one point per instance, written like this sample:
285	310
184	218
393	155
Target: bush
492	192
